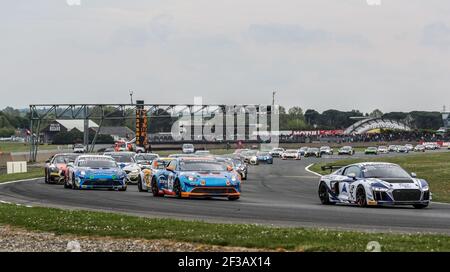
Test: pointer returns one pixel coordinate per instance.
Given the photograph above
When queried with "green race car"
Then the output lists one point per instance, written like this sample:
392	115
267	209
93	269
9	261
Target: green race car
371	151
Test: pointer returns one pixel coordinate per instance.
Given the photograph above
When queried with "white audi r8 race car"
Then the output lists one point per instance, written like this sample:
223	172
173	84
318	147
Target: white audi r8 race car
374	183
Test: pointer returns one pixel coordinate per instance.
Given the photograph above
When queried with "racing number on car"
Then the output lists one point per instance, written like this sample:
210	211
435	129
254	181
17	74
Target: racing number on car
170	182
352	189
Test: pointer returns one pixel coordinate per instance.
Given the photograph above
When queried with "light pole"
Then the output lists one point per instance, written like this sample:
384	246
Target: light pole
273	97
131	96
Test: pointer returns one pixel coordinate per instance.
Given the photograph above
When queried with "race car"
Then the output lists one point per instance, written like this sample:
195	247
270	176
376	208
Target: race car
263	156
127	162
291	154
146	175
302	150
197	177
313	152
144	160
249	157
371	151
326	150
346	150
238	165
56	167
374	183
276	152
202	153
188	148
393	148
419	148
402	149
79	148
95	171
410	147
383	150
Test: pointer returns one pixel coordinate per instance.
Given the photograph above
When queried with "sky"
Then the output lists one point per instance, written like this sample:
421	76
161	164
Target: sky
393	55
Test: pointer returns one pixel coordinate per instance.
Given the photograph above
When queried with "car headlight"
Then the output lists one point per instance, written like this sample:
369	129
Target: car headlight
54	169
233	179
425	188
83	173
191	178
380	189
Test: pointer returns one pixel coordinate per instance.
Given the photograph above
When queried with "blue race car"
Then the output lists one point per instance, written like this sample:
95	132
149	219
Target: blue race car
264	157
197	177
92	171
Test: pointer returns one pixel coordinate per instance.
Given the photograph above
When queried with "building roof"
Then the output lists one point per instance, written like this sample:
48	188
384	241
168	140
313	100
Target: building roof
76	124
117	131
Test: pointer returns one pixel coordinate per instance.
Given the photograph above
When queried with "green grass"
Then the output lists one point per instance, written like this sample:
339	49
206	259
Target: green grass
23	147
435	168
98	224
33	172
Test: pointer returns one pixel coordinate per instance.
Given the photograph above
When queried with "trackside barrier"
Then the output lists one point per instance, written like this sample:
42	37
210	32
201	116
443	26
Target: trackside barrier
16	167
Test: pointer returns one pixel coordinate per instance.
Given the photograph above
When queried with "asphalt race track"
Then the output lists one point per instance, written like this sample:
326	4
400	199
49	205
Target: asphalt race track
283	194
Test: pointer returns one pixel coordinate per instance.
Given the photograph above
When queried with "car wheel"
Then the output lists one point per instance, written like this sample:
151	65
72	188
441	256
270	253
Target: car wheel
420	206
323	195
177	188
74	184
155	189
233	198
46	176
361	199
140	185
123	189
66	186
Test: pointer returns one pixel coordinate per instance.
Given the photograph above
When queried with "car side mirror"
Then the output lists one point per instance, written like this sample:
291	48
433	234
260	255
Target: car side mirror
229	168
352	175
170	168
47	161
70	164
414	175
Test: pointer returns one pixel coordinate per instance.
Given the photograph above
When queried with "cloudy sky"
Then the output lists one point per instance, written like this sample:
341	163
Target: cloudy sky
321	54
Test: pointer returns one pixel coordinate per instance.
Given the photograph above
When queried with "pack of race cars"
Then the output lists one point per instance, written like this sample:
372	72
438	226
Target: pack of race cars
201	174
182	175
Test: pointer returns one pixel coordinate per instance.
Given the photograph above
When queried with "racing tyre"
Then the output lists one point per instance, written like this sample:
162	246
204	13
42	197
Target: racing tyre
66	186
233	198
74	184
177	188
139	185
46	176
324	196
122	189
420	206
361	199
155	189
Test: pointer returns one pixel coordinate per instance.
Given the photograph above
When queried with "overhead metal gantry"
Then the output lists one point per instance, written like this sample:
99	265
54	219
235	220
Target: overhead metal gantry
44	113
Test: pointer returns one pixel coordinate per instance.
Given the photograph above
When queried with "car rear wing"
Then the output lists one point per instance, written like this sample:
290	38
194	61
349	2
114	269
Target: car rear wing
331	167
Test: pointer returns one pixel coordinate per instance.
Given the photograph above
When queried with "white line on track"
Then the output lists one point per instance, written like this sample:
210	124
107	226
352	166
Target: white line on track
22	180
310	171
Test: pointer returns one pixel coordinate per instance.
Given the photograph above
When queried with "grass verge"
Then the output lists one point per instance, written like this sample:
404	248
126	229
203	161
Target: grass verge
23	147
88	223
433	167
33	172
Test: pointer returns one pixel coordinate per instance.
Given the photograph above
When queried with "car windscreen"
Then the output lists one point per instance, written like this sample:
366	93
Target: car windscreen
249	153
146	157
313	150
188	146
202	166
122	158
97	163
385	171
64	159
263	154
